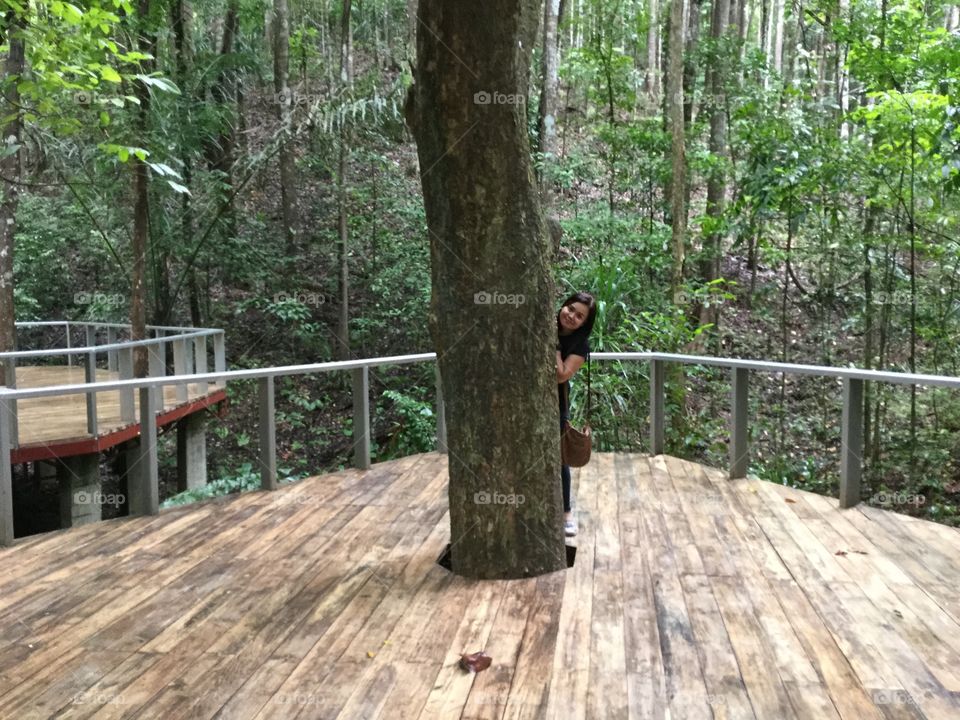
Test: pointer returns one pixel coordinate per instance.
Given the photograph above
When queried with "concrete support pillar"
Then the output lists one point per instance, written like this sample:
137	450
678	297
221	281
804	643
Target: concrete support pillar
191	452
80	490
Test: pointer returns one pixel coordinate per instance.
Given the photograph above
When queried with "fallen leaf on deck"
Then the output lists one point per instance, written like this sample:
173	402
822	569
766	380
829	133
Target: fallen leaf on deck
840	552
859	552
790	500
476	662
370	654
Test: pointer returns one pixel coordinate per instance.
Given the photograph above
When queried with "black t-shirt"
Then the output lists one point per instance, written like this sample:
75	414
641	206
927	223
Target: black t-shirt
576	343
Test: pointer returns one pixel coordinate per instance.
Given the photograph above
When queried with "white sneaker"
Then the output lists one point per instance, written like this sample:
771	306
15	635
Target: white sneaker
570	528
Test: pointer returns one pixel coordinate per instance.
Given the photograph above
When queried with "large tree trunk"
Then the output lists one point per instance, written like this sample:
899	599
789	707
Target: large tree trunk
343	275
284	99
491	313
10	171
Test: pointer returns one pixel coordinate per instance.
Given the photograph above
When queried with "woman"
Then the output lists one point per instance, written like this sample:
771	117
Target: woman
574	323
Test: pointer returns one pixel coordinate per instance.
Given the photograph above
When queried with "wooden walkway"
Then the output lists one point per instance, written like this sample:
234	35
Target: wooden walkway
56	423
692	597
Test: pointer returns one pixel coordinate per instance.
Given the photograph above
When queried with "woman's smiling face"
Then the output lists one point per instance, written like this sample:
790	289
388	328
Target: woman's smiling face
572	316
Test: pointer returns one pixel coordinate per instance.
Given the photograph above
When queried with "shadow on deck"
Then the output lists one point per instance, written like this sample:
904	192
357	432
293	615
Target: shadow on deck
693	596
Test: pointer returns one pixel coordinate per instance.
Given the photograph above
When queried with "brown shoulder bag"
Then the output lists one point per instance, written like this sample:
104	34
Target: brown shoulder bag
575	444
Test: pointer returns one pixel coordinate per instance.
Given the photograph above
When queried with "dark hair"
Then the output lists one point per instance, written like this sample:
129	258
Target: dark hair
588	300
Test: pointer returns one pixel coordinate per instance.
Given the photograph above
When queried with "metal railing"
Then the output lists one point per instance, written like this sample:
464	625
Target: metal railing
143	486
189	347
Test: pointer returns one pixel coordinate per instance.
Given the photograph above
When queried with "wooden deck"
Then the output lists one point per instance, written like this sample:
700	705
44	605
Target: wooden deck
48	422
692	597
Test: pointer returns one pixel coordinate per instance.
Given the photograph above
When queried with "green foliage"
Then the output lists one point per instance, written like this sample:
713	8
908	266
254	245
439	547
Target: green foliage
413	428
244	479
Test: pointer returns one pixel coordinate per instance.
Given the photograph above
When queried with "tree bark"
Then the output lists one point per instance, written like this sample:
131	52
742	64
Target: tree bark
951	17
778	37
284	101
717	110
678	210
690	68
491	312
141	203
652	81
10	200
343	232
547	111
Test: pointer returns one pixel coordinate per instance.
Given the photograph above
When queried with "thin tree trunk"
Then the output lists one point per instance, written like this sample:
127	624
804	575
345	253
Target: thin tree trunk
951	17
284	101
487	235
690	64
182	33
652	80
778	38
10	200
870	215
716	108
343	275
141	204
547	111
678	211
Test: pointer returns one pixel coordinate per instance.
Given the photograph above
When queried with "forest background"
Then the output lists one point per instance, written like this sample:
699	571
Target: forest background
743	178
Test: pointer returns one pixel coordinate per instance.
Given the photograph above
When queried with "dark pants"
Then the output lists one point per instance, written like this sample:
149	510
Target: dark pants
565	473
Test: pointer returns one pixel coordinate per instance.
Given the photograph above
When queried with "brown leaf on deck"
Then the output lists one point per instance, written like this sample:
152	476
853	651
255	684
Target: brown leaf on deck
476	662
790	500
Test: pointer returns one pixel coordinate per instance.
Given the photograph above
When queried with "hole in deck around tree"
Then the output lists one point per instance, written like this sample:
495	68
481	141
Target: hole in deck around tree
445	560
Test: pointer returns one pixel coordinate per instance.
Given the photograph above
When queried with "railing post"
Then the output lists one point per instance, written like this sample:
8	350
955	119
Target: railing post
180	367
200	362
143	482
91	331
127	407
112	358
219	353
90	376
441	413
361	417
268	434
851	442
7	428
69	345
657	370
10	375
739	454
157	367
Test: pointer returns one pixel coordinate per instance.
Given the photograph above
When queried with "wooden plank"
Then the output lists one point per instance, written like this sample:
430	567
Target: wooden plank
700	504
335	668
726	693
452	684
833	668
531	678
607	694
571	661
646	690
491	688
686	691
768	696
